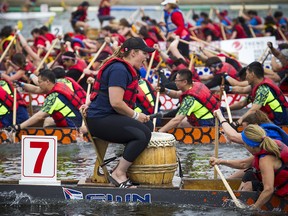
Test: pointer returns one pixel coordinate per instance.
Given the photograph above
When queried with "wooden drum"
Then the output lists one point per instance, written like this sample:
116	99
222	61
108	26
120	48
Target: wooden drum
157	163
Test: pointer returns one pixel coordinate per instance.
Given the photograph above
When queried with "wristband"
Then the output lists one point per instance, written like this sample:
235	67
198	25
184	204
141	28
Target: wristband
168	91
21	84
223	122
136	115
230	88
32	76
226	77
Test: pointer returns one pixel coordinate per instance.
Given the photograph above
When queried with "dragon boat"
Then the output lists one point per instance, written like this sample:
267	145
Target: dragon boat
190	192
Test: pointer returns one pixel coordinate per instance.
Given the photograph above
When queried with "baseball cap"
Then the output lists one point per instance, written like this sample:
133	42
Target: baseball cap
136	43
169	2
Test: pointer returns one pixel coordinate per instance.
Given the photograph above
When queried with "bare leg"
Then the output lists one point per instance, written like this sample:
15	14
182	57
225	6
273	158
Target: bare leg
119	174
246	186
237	174
48	122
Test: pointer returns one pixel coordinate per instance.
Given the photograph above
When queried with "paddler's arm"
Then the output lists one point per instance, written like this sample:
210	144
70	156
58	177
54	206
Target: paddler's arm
239	105
236	164
266	165
32	88
40	115
250	111
277	54
28	49
172	123
173	93
231	133
241	89
116	100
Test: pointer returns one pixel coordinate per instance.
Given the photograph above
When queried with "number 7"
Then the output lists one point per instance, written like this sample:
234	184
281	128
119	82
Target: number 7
44	148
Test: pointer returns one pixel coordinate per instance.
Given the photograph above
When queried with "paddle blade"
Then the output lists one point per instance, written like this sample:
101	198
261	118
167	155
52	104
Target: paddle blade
20	25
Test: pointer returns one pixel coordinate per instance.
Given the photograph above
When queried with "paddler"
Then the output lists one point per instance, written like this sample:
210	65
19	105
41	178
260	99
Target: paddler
195	109
60	103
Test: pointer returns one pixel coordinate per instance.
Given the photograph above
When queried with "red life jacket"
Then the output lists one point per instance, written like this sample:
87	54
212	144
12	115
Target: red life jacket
78	90
40	38
142	97
211	27
103	11
50	37
80	65
64	90
84	15
6	99
131	90
108	50
20	99
279	96
206	98
229	69
29	67
281	175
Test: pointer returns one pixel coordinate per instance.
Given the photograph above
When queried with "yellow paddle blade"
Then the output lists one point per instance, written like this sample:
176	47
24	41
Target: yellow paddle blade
20	25
50	21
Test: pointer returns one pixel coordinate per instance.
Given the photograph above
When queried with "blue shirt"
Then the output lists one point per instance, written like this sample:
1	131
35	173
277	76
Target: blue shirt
115	74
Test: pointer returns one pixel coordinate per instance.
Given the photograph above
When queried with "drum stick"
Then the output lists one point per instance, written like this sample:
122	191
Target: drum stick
252	32
156	102
150	64
46	56
227	107
14	110
282	34
7	48
229	189
93	60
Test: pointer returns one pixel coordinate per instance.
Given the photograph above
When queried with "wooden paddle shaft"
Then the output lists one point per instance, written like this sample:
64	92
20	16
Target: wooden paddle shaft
93	60
282	34
223	32
156	102
14	111
150	64
229	189
88	92
47	54
191	63
216	147
208	44
263	53
227	107
252	32
14	105
7	48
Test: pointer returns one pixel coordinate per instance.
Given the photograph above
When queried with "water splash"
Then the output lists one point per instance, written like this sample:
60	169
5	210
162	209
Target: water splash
14	198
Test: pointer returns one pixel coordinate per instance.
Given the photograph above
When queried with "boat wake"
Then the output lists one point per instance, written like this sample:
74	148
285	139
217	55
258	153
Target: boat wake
13	198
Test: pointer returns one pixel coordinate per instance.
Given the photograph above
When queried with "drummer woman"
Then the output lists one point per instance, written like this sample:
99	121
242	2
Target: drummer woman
269	162
110	115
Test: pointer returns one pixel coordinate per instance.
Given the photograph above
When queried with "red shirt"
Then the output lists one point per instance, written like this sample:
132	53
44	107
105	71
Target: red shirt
50	37
240	31
178	20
